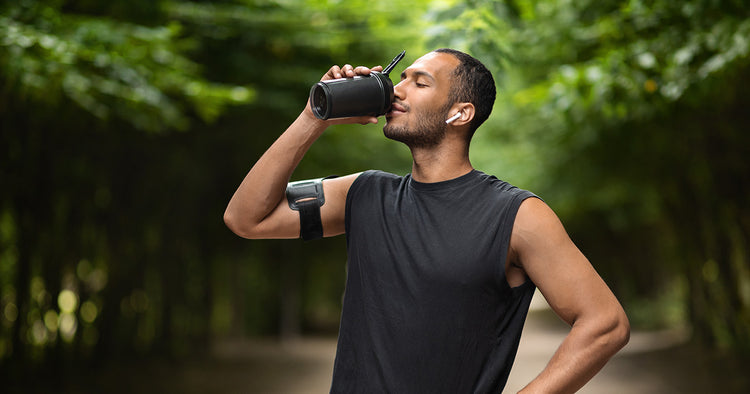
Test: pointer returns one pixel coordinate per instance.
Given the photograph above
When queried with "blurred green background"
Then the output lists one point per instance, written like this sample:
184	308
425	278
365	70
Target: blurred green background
125	127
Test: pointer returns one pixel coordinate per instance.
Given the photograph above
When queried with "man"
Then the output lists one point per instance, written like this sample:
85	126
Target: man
442	262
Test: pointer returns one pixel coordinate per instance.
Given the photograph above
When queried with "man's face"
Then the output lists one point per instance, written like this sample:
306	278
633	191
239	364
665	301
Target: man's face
417	117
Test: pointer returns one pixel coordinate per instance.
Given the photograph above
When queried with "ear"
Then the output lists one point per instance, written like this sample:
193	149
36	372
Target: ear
466	111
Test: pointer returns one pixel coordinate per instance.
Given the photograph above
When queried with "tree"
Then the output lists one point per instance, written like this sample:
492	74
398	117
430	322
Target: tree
627	116
125	127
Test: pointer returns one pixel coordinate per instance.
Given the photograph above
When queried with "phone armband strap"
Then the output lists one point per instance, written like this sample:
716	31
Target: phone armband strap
307	197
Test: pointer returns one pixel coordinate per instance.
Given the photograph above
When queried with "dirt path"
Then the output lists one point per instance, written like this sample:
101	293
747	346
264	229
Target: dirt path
653	362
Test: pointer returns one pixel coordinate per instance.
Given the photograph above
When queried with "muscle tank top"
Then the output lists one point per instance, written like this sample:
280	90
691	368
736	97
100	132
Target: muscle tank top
427	308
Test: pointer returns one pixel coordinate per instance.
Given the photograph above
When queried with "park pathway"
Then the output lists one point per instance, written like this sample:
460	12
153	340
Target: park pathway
652	363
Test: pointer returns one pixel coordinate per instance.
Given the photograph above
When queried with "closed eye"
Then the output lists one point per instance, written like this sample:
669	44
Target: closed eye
419	77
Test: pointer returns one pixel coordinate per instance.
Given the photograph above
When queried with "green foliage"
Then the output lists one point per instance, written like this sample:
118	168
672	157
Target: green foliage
104	206
111	69
626	116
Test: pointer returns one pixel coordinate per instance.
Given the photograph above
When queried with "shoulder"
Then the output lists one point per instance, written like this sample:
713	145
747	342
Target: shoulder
534	215
508	197
339	186
538	233
536	222
501	186
374	177
380	175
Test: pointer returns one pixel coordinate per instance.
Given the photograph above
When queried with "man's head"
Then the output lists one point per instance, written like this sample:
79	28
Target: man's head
440	85
472	83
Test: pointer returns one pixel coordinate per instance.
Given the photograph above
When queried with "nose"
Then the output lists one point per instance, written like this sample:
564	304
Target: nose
398	91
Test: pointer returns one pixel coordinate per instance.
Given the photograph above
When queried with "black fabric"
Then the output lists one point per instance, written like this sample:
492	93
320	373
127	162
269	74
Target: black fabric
310	224
427	308
306	197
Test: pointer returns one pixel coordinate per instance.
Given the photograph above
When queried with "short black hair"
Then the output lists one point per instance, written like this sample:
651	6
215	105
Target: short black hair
473	84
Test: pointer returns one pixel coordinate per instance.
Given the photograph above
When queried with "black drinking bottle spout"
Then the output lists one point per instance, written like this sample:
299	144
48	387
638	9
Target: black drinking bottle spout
394	62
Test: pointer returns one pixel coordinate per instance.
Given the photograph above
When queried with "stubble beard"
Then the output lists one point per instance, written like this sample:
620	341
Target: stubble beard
428	131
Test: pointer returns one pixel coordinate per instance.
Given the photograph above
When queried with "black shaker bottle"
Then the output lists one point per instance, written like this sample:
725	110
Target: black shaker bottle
359	96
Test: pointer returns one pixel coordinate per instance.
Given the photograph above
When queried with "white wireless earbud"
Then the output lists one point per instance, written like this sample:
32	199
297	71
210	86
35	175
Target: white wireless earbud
452	118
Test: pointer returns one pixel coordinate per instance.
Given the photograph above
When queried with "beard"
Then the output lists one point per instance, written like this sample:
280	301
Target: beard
428	131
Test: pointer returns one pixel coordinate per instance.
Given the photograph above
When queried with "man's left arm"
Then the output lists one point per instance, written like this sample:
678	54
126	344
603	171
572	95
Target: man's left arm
575	291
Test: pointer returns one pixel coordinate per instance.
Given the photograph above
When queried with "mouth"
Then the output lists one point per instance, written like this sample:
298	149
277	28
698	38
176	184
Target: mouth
396	109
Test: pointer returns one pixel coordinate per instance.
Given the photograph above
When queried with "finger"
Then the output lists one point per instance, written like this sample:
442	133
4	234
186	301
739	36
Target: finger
333	73
362	70
357	119
367	119
348	70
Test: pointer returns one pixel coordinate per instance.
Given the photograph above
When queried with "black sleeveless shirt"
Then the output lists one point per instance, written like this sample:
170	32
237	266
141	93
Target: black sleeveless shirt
427	307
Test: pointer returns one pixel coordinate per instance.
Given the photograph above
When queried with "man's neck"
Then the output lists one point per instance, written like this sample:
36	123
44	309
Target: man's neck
440	163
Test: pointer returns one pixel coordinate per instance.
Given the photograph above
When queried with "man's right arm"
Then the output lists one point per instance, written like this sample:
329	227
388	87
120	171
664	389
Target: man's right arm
258	209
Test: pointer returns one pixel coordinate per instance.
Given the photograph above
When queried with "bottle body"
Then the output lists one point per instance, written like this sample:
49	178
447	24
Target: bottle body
358	96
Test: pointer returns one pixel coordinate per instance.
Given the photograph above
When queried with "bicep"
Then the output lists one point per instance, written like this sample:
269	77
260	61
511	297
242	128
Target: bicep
284	222
333	211
552	261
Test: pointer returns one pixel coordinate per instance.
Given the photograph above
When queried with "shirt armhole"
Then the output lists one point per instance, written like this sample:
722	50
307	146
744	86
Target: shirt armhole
507	226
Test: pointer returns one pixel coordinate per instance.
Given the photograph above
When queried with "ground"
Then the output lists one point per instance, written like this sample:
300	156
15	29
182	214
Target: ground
653	362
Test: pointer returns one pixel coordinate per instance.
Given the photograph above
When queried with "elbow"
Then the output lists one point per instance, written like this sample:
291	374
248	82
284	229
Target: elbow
608	332
618	332
231	222
235	225
624	331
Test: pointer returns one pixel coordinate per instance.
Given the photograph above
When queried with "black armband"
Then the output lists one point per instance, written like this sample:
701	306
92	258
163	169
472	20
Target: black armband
307	198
